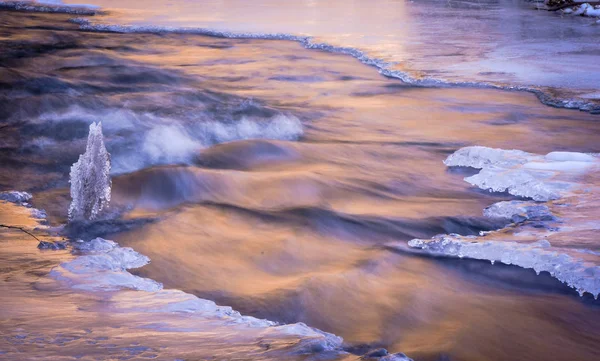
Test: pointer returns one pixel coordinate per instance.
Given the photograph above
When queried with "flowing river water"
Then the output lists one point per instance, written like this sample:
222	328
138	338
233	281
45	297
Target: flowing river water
271	178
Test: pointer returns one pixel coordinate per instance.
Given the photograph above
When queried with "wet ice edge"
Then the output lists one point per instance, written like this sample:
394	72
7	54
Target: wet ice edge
542	178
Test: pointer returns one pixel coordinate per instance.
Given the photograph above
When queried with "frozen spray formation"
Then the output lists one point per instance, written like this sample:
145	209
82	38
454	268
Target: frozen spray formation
90	178
537	239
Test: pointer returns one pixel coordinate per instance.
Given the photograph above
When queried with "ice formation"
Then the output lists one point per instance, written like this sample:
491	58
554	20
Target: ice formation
540	178
90	178
102	266
518	211
51	6
584	9
581	275
572	177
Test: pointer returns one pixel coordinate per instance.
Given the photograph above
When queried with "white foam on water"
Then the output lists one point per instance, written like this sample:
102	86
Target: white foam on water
157	140
567	176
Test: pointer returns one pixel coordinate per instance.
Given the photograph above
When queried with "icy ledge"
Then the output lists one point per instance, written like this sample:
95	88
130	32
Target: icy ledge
578	274
538	177
572	177
103	265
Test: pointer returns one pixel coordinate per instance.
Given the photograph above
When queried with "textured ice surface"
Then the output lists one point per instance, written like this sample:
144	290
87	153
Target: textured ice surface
584	9
518	211
103	266
540	178
548	235
51	6
15	196
581	275
90	178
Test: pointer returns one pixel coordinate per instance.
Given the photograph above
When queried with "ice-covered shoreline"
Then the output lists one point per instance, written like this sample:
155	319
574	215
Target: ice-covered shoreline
543	236
100	267
385	68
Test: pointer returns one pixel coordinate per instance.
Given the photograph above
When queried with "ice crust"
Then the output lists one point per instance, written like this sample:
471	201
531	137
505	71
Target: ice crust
385	68
541	178
102	266
518	211
584	9
90	178
582	276
51	6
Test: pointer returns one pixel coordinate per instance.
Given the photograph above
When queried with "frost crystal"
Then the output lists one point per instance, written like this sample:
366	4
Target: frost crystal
90	179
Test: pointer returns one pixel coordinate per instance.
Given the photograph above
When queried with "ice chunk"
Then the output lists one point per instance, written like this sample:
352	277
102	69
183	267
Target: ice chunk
570	156
15	196
483	157
517	182
312	340
518	211
104	266
519	173
90	178
576	273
